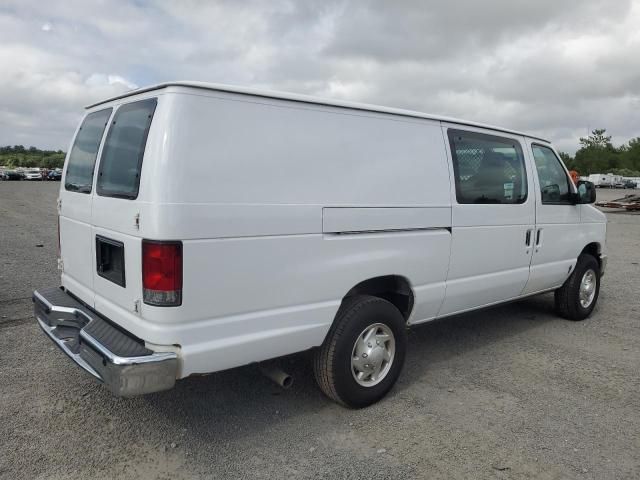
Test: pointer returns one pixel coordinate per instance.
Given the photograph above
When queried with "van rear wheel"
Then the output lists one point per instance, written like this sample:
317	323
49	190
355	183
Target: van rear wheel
577	298
363	354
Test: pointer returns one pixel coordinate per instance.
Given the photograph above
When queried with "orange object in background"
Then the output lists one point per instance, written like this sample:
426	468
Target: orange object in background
575	176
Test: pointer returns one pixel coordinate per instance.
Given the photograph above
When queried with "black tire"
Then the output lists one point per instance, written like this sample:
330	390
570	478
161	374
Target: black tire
332	361
567	297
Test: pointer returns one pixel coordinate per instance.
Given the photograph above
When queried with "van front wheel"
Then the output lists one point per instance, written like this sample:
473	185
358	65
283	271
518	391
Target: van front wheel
363	354
577	298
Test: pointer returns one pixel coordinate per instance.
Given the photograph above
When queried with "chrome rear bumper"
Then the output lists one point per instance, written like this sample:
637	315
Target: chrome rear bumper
111	355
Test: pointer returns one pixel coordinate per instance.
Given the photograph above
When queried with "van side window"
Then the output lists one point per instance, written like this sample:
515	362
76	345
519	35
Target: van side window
487	169
121	160
554	181
82	159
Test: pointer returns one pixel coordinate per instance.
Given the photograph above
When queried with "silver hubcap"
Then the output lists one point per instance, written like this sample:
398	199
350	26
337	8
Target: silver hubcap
587	288
373	354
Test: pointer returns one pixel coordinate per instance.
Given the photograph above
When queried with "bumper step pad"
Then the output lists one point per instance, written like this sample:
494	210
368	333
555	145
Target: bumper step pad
110	354
116	341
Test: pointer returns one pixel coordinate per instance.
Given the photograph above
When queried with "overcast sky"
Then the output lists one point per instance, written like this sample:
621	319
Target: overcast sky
550	67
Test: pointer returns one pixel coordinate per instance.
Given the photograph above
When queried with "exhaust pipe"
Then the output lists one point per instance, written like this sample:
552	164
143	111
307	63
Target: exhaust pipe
276	375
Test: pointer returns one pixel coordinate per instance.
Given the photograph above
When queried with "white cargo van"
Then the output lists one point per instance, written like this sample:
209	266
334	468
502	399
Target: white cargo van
203	227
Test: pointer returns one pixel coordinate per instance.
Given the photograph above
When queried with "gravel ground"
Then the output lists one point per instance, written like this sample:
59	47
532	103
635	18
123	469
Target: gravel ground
509	392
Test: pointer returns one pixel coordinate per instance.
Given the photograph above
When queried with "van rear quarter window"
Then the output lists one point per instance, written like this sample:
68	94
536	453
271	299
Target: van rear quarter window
82	159
487	168
121	161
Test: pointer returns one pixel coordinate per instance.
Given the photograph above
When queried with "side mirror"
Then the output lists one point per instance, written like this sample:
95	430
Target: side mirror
586	192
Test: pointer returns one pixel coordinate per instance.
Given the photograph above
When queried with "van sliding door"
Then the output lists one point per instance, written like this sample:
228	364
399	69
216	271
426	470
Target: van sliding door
493	215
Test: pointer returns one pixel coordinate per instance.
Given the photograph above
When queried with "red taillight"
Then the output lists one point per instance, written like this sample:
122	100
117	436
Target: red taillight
162	273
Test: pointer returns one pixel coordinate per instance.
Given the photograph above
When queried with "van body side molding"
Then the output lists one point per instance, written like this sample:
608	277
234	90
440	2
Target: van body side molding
375	219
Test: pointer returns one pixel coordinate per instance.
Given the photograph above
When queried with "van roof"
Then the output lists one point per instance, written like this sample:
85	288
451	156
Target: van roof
310	99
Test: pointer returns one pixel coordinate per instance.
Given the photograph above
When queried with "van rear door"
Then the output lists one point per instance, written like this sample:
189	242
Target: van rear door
75	201
117	263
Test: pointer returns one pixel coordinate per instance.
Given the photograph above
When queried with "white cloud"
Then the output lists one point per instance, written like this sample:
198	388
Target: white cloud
550	68
101	79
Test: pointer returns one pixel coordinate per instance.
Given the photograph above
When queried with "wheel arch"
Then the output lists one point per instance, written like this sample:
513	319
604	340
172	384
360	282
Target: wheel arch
594	249
396	289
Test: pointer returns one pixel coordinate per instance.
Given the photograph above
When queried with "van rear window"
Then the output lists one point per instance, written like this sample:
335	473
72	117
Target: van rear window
82	159
121	161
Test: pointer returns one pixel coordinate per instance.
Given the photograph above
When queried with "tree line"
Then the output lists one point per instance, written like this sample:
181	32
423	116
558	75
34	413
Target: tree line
19	156
598	155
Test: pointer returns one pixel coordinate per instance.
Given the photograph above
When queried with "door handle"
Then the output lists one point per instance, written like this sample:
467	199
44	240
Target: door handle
538	239
527	239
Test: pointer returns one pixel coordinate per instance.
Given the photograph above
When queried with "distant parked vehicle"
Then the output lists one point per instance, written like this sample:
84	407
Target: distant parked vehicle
13	175
608	180
625	184
54	175
32	174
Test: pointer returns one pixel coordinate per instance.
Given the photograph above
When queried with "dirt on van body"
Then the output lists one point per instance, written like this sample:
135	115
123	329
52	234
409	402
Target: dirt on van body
509	392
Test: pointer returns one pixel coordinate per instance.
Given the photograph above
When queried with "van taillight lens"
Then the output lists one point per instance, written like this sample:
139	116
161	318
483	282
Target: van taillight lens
162	273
